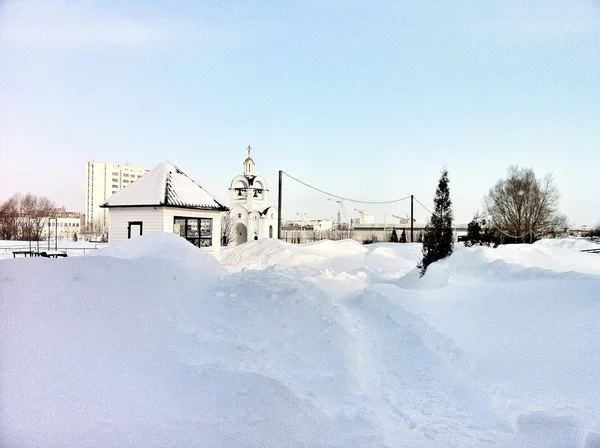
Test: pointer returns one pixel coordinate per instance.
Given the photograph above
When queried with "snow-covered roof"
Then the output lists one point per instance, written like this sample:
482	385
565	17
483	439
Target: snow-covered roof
164	185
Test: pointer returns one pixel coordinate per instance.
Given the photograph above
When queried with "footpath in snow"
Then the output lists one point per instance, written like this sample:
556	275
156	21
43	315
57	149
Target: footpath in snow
154	343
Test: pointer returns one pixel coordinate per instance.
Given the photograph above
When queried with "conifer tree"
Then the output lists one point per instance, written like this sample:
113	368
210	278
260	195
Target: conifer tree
438	241
394	237
479	233
403	237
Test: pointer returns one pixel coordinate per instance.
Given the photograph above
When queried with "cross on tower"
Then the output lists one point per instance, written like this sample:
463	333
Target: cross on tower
249	148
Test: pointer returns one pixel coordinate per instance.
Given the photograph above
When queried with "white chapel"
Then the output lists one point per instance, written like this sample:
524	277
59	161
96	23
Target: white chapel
251	215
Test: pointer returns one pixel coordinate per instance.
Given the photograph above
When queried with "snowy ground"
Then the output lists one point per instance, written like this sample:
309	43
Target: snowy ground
153	343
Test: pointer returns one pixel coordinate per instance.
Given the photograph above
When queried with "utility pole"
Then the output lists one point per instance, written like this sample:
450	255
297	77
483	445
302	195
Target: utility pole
411	216
279	205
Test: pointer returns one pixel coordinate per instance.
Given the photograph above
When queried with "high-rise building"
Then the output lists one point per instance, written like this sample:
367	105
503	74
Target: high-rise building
103	180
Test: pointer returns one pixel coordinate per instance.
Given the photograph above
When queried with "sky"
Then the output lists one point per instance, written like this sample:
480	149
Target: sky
367	100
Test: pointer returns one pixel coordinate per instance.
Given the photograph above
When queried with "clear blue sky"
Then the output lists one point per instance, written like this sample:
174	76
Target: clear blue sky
365	99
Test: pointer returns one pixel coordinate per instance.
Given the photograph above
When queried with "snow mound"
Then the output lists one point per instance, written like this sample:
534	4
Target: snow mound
393	256
506	263
568	243
345	255
493	347
268	252
437	276
165	246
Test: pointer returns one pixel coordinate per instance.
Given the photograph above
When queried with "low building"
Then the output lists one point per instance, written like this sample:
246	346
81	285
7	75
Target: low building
54	225
63	225
166	200
580	231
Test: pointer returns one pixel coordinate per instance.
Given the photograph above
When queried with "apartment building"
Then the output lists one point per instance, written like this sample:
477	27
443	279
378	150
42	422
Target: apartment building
103	180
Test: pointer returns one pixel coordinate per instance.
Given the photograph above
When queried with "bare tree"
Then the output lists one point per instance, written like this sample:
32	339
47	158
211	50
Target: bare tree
318	235
228	229
524	207
95	229
34	212
9	218
341	231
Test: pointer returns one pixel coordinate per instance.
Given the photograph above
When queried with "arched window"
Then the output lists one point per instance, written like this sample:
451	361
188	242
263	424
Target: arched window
258	190
241	190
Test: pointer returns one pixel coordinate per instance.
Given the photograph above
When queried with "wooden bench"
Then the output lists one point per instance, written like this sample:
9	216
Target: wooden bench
45	254
25	253
592	251
53	254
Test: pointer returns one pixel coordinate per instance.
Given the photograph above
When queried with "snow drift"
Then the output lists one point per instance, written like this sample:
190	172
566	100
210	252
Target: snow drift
152	343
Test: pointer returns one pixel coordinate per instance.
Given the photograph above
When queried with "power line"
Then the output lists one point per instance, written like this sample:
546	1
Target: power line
342	197
513	236
424	206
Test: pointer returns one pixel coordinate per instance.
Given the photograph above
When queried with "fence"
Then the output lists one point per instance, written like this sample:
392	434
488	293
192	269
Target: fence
70	250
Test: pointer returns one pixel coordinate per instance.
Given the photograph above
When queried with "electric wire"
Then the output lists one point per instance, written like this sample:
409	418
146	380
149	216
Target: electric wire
419	202
342	197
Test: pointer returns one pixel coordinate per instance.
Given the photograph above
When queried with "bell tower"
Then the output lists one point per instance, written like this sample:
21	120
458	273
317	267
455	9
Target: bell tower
249	163
249	204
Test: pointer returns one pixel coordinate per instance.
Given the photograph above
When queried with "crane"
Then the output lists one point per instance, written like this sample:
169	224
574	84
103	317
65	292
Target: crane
341	209
401	220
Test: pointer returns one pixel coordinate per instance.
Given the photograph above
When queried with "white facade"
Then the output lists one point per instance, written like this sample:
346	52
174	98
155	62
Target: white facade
102	181
123	223
166	200
251	215
64	226
60	225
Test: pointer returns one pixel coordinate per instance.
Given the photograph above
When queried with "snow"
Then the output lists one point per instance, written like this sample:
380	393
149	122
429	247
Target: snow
569	243
166	185
72	248
164	247
152	342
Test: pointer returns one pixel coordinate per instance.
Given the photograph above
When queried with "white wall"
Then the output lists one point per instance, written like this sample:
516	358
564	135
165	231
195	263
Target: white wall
65	225
160	219
255	223
119	218
264	227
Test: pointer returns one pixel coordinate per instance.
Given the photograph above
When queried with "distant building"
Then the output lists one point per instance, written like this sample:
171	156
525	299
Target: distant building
580	231
56	224
310	224
166	200
102	181
252	216
63	224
